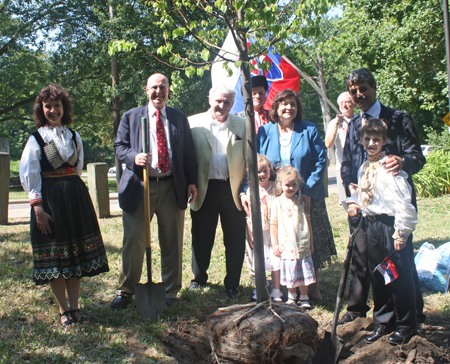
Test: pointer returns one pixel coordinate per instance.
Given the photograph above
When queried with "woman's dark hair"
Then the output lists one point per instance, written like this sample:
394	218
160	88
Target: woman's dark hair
278	99
52	92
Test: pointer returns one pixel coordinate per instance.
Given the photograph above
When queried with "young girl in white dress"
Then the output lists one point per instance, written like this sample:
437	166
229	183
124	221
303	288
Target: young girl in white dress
267	190
290	233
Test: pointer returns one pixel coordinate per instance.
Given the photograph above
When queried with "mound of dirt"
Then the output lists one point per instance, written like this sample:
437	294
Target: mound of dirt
189	343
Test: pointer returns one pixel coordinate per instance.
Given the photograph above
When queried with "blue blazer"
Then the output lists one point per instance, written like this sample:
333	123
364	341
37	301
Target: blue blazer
129	143
308	154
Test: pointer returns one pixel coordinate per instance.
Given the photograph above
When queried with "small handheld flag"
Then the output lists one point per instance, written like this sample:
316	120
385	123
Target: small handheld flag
387	270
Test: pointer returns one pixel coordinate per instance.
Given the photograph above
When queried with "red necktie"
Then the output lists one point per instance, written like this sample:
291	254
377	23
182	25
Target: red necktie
163	152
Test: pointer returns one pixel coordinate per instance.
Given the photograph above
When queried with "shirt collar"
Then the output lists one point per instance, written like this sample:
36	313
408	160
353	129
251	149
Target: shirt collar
222	125
152	110
375	110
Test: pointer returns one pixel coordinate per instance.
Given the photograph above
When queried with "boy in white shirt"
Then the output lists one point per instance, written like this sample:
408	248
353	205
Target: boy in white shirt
385	201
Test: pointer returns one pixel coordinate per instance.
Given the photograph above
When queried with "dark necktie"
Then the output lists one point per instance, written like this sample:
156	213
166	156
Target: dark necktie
366	117
163	152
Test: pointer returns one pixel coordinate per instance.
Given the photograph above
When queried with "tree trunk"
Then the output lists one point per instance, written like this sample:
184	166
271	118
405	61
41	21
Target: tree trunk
115	104
327	117
258	243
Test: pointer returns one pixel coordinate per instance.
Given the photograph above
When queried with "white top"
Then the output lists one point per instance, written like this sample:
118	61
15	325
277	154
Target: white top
154	171
30	166
293	229
391	196
218	167
339	139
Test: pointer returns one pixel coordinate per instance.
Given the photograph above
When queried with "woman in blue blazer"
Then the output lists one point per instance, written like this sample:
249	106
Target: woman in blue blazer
289	140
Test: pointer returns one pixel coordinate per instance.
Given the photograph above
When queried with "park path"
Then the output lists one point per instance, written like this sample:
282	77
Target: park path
21	208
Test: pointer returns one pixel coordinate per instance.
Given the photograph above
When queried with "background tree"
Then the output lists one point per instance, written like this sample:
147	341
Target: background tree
402	43
321	64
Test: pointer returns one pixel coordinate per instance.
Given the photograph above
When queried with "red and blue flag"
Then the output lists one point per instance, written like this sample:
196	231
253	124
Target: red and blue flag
282	75
387	270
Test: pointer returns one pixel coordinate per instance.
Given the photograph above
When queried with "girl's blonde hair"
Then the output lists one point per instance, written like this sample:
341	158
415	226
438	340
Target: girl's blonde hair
262	160
286	172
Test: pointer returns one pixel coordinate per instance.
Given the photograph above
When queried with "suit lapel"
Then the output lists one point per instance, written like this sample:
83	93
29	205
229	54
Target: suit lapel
231	129
297	136
172	126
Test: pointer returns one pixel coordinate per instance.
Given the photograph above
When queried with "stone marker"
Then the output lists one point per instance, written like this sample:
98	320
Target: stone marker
4	187
98	188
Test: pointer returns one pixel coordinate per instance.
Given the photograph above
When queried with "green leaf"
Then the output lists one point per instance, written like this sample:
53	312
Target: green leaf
205	55
190	71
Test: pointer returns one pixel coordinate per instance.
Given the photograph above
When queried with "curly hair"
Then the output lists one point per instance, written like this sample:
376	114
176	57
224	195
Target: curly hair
287	172
278	99
52	92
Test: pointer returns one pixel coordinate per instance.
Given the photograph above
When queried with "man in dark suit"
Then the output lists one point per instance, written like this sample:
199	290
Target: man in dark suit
173	179
403	153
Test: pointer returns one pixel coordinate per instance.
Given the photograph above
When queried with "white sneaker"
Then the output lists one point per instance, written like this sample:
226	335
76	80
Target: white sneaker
276	295
305	305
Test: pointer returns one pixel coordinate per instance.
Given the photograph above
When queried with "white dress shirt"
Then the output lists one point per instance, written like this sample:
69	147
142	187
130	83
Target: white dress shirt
154	171
218	167
374	111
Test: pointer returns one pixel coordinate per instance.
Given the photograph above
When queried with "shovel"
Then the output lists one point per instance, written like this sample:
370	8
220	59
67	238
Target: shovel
332	344
150	296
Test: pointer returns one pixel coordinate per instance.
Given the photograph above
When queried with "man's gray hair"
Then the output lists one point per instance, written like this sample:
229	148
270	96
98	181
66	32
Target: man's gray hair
224	88
342	95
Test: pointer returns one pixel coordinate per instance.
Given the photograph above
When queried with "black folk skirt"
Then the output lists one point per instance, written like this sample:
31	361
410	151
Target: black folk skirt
74	248
323	239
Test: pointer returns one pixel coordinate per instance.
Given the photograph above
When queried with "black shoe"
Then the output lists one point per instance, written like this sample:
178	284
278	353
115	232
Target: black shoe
232	292
121	301
401	337
349	317
171	301
378	333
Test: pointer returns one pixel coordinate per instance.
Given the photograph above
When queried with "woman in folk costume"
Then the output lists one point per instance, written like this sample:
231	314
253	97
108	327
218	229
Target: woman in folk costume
65	237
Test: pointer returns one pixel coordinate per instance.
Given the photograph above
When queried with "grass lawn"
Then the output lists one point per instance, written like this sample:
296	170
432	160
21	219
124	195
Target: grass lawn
29	322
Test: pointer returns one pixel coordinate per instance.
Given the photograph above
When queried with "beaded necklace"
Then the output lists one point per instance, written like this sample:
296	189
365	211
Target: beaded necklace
284	142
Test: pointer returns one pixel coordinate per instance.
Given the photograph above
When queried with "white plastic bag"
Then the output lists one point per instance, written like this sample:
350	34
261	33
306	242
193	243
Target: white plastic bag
433	266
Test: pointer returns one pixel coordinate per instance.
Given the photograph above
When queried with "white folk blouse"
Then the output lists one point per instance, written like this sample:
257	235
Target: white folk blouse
391	196
30	166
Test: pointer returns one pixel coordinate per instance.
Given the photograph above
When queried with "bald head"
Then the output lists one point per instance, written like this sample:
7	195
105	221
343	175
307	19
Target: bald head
157	90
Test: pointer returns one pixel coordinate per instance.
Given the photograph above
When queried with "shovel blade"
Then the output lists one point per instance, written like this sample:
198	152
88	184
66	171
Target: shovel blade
330	350
150	299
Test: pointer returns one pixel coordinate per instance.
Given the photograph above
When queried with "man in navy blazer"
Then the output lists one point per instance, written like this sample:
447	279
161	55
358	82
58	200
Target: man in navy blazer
403	153
169	191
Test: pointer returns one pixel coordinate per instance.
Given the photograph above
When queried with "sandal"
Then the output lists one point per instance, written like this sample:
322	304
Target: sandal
82	319
68	322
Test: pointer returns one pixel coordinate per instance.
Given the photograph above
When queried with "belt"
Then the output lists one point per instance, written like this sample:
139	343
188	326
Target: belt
60	172
161	179
219	179
385	219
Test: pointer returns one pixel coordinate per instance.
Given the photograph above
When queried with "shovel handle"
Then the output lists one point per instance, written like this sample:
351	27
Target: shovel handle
146	198
342	283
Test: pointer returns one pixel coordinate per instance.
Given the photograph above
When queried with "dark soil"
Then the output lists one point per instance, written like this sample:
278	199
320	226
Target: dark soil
189	343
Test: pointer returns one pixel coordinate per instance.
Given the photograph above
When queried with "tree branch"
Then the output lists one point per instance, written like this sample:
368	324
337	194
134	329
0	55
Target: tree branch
18	104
